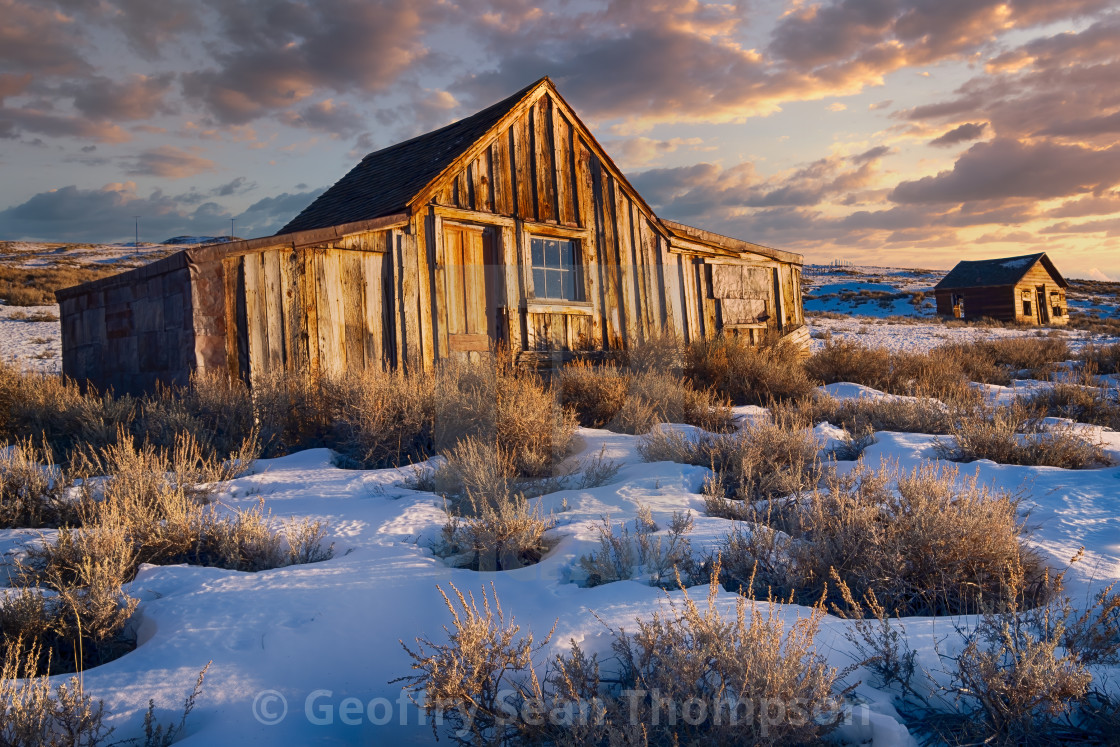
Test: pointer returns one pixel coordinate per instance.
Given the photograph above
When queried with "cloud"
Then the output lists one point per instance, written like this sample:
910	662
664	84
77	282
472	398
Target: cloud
1111	226
638	151
138	97
1093	205
267	216
106	214
1056	86
1008	168
1103	125
30	119
274	55
35	38
238	186
339	119
714	193
169	162
963	133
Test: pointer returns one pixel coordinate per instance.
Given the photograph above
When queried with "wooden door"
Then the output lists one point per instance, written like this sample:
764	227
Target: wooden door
472	292
1043	309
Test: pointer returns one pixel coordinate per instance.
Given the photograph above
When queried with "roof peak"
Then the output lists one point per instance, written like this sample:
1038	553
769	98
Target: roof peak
385	181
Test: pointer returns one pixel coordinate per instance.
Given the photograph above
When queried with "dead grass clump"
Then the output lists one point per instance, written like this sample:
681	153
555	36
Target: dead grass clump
1023	675
691	675
858	415
924	543
663	558
75	619
761	461
31	713
596	393
748	375
287	412
943	373
154	508
1104	359
496	533
658	352
510	407
55	410
848	360
33	492
701	677
385	418
634	402
1014	434
1084	401
34	713
675	400
390	418
490	524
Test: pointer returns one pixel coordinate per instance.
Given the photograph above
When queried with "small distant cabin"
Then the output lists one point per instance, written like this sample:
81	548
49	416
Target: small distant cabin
511	228
1026	289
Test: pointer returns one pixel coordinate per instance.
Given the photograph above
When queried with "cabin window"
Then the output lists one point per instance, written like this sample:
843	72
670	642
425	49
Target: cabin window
1056	303
1027	308
556	268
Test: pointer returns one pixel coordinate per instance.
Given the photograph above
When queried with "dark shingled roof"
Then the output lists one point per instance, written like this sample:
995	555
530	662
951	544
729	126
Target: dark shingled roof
992	272
385	180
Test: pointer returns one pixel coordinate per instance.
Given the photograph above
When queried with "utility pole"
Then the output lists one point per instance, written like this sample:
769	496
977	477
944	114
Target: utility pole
231	222
137	242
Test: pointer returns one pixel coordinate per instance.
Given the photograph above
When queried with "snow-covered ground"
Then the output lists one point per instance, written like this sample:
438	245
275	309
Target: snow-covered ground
917	336
304	655
30	337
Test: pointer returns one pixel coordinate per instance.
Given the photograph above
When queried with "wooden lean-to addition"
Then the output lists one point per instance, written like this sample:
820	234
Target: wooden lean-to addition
511	227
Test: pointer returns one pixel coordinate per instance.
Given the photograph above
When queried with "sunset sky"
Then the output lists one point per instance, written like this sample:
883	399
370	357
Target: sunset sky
889	132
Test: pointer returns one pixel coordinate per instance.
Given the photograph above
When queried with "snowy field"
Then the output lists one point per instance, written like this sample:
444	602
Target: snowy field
294	648
305	654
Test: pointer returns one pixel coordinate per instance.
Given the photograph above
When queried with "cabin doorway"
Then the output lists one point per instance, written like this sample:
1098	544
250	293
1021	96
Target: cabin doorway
470	259
1043	309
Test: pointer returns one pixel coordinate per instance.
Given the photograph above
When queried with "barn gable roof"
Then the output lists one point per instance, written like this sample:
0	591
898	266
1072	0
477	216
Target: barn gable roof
385	181
996	272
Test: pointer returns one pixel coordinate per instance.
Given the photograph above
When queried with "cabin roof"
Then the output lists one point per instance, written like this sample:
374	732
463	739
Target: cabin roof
996	272
386	180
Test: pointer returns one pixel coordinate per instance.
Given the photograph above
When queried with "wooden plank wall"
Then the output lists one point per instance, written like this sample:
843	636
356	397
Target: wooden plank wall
325	309
542	169
131	331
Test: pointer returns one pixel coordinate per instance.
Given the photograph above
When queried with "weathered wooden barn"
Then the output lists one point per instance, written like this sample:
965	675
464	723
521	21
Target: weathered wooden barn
1027	289
510	227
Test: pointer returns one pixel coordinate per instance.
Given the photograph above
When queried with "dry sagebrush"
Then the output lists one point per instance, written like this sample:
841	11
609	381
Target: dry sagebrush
745	374
691	674
33	492
664	558
634	402
760	461
150	508
1014	434
924	543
